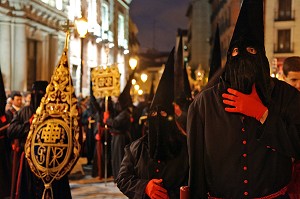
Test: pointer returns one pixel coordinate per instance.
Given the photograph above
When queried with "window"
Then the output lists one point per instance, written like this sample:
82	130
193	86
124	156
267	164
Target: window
59	4
32	61
74	76
284	10
121	30
284	41
105	22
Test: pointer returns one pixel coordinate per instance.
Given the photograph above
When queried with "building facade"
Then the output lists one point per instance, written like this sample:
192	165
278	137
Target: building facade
106	43
282	32
282	28
199	33
32	40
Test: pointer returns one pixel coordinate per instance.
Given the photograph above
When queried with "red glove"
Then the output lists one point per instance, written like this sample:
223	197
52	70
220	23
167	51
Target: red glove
249	105
97	137
31	119
105	116
155	191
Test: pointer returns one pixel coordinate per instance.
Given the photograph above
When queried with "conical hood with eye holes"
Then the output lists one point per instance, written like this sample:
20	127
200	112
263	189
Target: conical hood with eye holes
163	132
124	98
164	95
246	68
250	24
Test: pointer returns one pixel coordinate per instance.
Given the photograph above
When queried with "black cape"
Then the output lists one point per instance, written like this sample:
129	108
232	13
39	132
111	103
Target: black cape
231	154
137	169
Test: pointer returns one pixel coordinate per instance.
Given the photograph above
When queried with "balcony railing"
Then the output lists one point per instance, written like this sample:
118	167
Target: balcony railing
285	49
284	15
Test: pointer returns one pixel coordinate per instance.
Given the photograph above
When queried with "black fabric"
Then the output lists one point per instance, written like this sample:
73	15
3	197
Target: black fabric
163	134
31	186
2	95
138	168
120	130
216	60
216	151
245	69
37	93
4	159
164	95
125	97
250	24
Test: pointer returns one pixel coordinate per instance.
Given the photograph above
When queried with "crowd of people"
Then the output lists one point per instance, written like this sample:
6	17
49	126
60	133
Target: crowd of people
238	138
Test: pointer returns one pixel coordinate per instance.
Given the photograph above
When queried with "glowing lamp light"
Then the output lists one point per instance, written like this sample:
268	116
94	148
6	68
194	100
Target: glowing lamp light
140	92
136	87
144	77
133	81
132	63
82	26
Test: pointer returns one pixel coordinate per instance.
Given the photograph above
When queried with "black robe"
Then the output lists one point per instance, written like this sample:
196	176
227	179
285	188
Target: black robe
235	156
137	169
120	131
4	159
30	185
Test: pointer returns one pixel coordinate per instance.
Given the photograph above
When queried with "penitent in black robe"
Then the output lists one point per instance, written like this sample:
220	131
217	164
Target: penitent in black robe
4	158
235	156
137	169
30	186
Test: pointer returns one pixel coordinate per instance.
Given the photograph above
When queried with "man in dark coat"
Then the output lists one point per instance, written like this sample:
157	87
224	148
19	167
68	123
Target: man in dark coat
27	185
244	131
156	165
120	127
4	145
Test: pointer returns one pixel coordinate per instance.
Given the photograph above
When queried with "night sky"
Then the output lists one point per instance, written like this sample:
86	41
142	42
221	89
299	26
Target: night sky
165	15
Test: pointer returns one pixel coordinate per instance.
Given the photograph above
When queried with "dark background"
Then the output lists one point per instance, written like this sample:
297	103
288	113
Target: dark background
158	21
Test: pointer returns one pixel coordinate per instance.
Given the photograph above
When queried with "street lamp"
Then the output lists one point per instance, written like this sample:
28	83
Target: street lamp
82	29
132	63
144	77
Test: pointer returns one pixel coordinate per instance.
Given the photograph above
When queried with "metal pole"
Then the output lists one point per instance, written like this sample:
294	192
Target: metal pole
105	143
81	64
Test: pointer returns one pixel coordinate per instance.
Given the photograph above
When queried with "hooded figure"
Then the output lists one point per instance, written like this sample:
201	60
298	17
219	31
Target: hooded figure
125	97
120	127
216	69
156	164
246	59
246	128
161	117
18	131
183	94
37	93
4	145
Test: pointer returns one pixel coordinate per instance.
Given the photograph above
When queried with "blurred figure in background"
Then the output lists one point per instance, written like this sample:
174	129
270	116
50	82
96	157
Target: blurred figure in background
4	146
291	74
291	71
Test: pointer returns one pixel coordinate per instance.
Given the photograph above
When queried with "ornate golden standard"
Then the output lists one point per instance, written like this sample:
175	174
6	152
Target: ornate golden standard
52	146
106	81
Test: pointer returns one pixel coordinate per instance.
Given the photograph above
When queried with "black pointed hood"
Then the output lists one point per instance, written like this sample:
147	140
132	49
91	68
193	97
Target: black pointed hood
183	94
151	94
37	93
245	68
250	24
164	95
178	69
2	95
216	61
125	97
